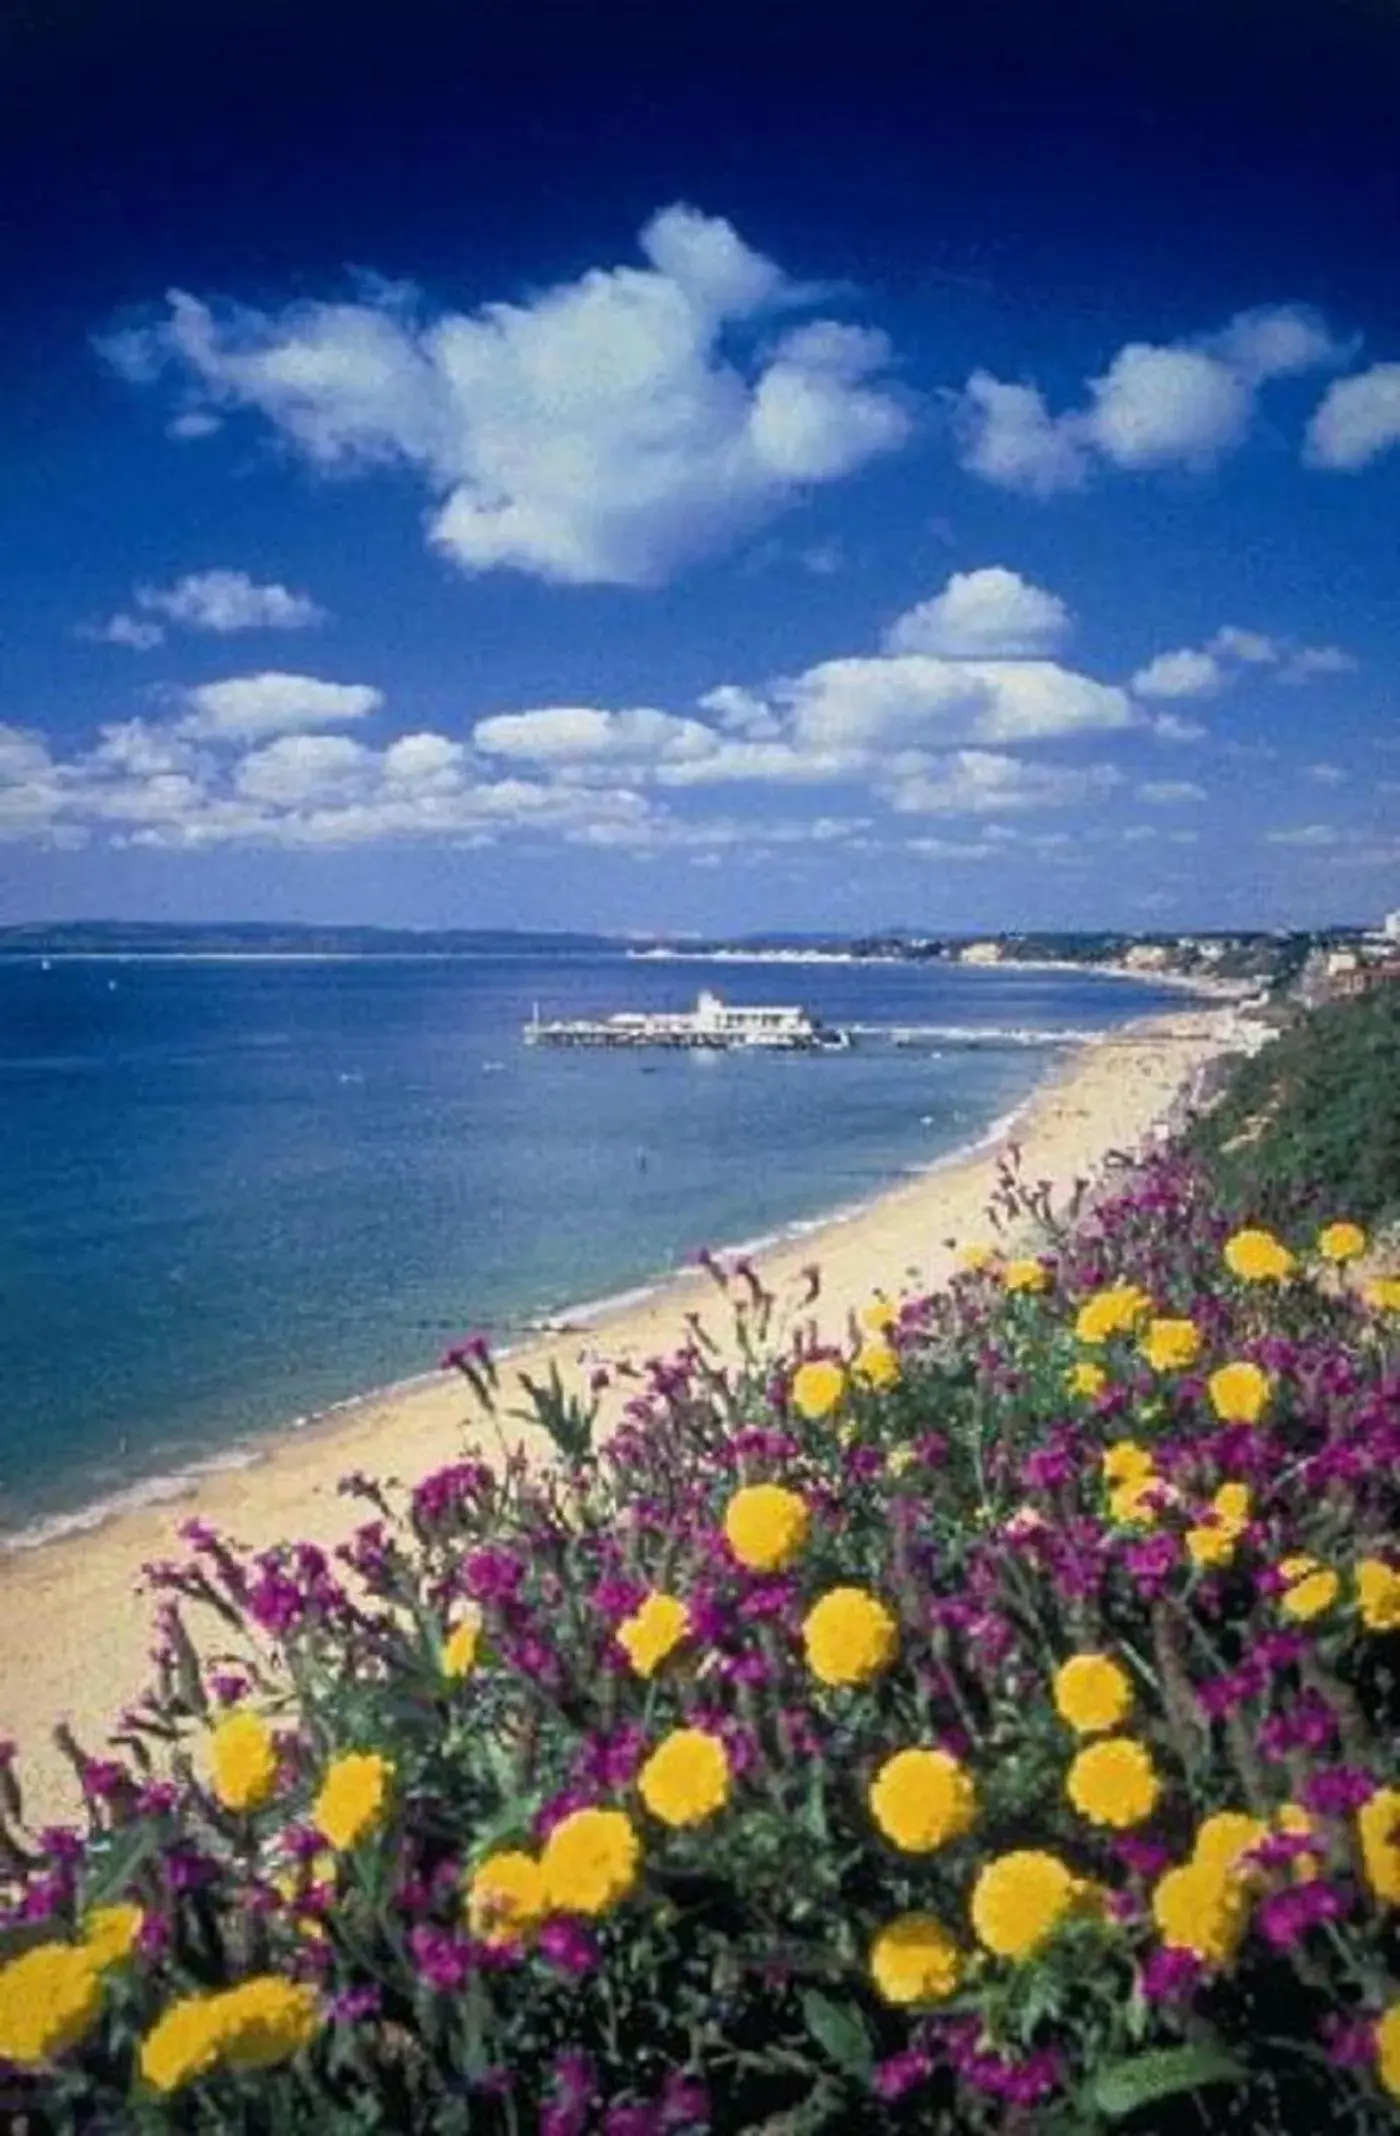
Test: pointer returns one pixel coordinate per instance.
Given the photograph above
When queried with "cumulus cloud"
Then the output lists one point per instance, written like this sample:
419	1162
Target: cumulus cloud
1182	404
1311	660
1356	420
1305	834
994	613
973	782
605	431
246	706
1252	647
1168	792
1181	674
218	600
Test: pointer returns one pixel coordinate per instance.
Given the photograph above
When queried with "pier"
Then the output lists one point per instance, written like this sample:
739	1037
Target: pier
711	1026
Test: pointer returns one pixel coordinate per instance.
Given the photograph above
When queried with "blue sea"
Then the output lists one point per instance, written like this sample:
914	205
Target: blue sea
236	1192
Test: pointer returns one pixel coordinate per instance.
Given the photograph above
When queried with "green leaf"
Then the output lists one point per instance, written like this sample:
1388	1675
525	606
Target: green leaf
839	2030
1120	2088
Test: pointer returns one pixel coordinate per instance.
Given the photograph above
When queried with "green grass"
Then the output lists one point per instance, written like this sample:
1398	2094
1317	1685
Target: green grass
1309	1129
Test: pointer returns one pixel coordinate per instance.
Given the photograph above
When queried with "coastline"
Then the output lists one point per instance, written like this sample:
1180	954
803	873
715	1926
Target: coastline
75	1638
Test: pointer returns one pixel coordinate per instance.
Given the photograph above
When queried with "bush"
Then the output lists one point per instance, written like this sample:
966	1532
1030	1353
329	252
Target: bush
1313	1121
986	1728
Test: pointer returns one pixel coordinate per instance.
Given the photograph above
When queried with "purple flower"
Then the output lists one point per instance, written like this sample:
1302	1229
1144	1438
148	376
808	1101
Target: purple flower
901	2073
568	1945
1336	1790
1286	1916
685	2103
493	1575
1170	1975
1144	1857
443	1960
1350	2041
351	2005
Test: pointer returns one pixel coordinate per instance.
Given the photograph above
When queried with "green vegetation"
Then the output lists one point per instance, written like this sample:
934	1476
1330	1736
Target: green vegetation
1313	1122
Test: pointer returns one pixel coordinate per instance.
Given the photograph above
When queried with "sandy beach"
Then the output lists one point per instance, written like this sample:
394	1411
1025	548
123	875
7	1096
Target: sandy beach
75	1629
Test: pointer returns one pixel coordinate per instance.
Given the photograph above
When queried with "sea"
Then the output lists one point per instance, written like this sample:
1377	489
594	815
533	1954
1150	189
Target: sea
237	1191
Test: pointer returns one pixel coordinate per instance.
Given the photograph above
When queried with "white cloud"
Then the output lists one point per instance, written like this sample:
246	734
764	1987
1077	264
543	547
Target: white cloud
1311	660
223	600
991	613
1167	792
247	706
1356	420
1306	834
137	632
1325	774
1173	727
1250	646
1181	404
906	700
603	432
1181	674
574	736
972	782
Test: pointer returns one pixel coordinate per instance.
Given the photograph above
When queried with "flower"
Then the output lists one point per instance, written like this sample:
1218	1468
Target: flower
876	1364
182	2044
849	1636
1378	1829
506	1897
817	1388
460	1649
1383	1294
687	1777
878	1317
766	1526
653	1632
1086	1378
591	1861
921	1799
977	1255
1026	1275
1312	1588
1114	1783
1224	1838
914	1960
1171	1345
1213	1541
1020	1899
1388	2049
1239	1393
110	1933
1202	1909
49	1998
1111	1312
1092	1693
1126	1462
900	1459
1378	1595
265	2021
1138	1501
353	1798
243	1760
1258	1257
1341	1242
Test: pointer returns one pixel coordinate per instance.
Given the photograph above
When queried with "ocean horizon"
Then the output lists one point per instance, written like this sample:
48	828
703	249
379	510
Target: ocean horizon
245	1190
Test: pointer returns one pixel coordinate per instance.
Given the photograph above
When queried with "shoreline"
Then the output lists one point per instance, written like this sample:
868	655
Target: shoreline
74	1646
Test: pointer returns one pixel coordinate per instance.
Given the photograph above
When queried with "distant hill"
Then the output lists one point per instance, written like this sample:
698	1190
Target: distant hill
274	939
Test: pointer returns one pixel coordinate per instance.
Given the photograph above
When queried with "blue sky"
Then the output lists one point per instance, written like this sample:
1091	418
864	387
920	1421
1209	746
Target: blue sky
938	477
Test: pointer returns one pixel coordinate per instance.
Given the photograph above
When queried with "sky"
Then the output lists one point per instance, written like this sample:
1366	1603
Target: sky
689	471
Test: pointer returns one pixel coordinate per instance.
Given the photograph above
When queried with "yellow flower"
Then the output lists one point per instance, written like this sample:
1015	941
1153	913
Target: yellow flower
687	1778
1127	1462
977	1256
1378	1595
506	1897
243	1760
1341	1242
914	1960
460	1649
110	1933
1312	1588
1383	1294
1092	1693
817	1388
899	1460
653	1632
1111	1312
1258	1257
1293	1820
1137	1502
1114	1783
1224	1838
878	1317
766	1526
850	1636
49	1997
1378	1829
353	1799
1020	1899
1086	1378
1026	1275
265	2021
1239	1393
181	2045
1213	1542
1171	1345
921	1799
876	1364
1201	1909
1388	2049
591	1862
